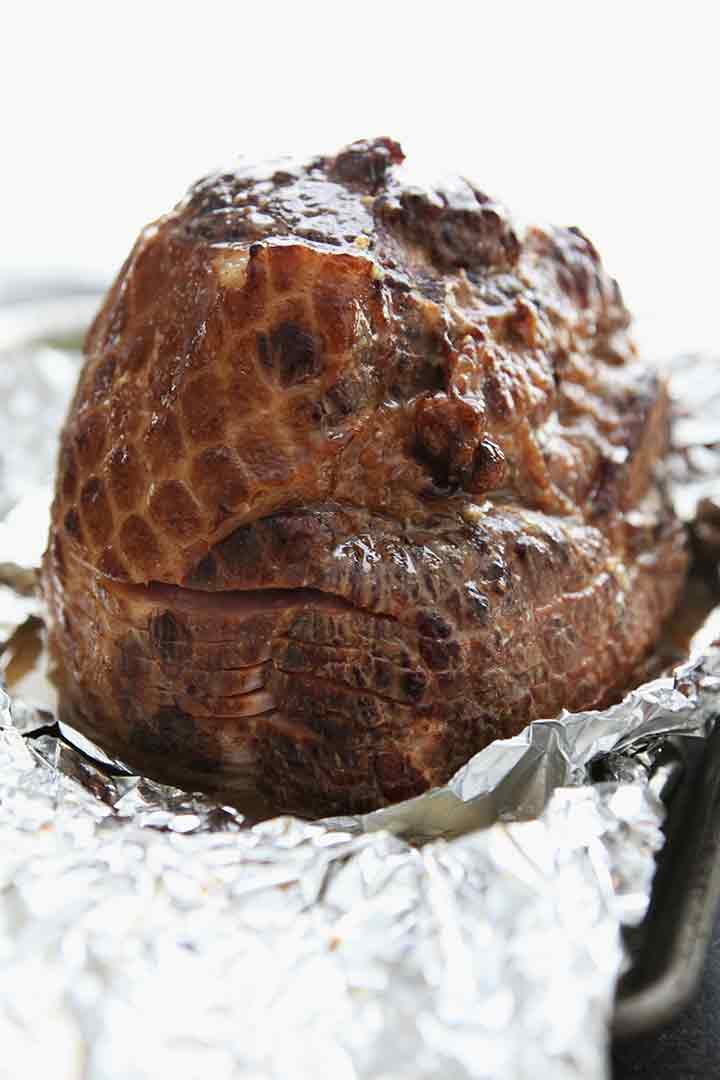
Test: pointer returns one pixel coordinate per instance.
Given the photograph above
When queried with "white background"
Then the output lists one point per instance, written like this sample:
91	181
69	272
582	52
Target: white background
602	114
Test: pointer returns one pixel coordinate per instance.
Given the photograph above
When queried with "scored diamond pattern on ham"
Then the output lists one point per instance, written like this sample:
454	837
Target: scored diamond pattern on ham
358	477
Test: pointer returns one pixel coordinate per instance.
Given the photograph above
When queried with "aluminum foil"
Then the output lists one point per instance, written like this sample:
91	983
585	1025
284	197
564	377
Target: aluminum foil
475	931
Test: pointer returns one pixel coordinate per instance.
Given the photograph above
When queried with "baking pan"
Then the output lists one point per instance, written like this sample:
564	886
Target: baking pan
667	950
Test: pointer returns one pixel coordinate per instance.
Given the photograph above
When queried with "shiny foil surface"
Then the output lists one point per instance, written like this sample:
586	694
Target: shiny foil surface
146	932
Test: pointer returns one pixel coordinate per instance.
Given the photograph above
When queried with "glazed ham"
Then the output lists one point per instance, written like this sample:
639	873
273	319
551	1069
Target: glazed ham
358	477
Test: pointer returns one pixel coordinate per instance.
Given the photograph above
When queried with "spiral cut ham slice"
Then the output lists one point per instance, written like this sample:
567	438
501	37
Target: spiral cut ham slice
375	689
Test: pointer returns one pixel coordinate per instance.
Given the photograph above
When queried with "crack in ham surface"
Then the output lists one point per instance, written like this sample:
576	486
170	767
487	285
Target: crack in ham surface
357	478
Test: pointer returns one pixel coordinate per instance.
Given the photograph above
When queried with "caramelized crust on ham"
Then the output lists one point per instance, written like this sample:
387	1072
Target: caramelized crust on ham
357	477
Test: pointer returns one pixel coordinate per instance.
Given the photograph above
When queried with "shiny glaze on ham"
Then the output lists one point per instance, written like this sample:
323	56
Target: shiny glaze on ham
357	477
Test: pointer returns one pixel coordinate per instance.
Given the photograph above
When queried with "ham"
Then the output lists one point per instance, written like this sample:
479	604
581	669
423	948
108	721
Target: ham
358	477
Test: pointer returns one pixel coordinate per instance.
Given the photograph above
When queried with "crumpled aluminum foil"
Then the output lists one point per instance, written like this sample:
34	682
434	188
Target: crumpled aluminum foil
475	931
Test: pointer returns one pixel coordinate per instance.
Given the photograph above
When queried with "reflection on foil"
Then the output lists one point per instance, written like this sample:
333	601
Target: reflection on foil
695	463
147	932
170	941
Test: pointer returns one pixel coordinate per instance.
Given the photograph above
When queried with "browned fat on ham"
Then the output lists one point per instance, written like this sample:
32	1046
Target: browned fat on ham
358	477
